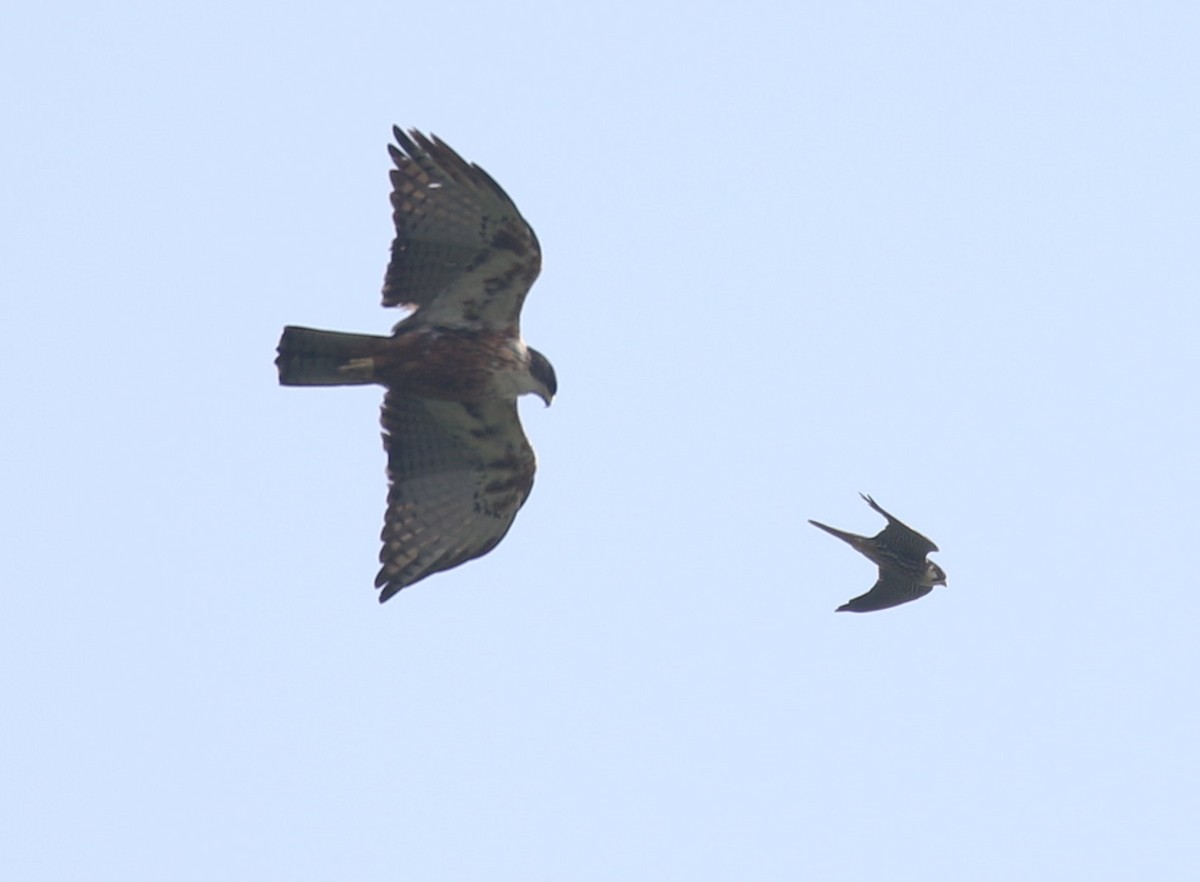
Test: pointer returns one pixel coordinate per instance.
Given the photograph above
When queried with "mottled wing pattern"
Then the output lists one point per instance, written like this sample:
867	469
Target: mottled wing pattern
900	537
463	255
892	589
458	474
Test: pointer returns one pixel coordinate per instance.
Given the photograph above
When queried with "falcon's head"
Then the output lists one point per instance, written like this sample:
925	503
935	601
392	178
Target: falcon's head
543	375
934	575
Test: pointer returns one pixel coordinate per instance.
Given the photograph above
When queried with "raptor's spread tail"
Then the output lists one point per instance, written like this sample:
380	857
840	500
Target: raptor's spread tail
308	357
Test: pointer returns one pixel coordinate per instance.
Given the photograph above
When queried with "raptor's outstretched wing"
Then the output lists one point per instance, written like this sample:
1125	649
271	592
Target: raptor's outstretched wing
899	536
463	256
458	474
892	589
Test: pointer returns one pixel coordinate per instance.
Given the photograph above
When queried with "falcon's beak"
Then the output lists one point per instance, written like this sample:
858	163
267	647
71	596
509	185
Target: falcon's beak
546	397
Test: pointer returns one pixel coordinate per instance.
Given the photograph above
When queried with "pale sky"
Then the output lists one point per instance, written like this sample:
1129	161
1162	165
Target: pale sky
942	253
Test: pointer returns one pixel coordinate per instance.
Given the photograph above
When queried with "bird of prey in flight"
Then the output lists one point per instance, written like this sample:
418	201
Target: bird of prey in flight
900	553
459	465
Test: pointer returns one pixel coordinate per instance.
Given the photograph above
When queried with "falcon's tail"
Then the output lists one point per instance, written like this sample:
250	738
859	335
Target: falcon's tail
841	534
308	357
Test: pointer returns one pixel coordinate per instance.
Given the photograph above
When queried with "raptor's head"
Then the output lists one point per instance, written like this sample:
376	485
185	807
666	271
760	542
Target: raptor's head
543	374
934	575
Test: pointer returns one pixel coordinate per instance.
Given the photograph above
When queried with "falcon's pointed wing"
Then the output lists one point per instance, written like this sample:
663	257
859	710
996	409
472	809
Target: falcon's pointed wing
899	536
892	589
463	256
458	474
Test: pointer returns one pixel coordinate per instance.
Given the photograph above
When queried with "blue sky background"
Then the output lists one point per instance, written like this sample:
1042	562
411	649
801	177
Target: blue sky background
944	253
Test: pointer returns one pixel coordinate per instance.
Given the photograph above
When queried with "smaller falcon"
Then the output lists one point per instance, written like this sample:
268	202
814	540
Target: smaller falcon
900	553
